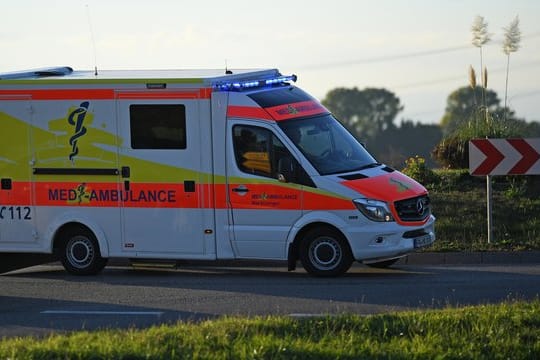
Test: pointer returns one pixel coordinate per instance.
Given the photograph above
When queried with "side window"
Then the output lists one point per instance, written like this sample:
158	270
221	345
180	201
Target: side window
252	150
259	152
158	126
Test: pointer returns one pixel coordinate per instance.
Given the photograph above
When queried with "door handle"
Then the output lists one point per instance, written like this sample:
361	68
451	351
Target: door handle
240	189
125	171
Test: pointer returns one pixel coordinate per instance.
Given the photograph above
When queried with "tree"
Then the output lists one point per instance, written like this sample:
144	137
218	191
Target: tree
465	119
365	112
462	108
395	145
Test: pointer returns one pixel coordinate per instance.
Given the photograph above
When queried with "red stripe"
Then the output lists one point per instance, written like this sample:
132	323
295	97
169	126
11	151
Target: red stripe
63	94
21	194
251	112
140	195
390	187
314	201
205	93
268	196
102	94
220	196
185	94
164	195
294	110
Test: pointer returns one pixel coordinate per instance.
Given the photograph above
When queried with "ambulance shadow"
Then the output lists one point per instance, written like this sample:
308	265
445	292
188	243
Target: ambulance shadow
206	269
405	286
23	316
15	261
402	286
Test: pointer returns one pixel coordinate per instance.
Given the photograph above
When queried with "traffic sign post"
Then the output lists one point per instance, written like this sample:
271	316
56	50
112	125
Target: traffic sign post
488	157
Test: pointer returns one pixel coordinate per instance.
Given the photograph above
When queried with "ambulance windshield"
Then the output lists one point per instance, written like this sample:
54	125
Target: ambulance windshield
328	146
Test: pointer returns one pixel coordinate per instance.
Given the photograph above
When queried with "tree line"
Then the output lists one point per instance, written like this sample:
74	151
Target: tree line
471	112
370	114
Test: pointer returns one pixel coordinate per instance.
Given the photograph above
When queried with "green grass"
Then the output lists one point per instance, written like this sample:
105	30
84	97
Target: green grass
505	331
462	226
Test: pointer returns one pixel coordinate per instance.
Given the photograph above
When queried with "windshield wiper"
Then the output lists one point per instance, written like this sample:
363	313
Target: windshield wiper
368	166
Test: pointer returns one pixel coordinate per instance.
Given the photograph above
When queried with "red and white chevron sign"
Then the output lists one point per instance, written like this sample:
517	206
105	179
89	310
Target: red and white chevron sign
504	156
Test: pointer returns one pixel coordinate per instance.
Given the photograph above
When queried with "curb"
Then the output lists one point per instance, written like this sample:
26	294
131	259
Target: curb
472	258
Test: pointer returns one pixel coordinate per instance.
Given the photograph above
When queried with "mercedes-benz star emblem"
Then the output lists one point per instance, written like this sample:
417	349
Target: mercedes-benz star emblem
420	207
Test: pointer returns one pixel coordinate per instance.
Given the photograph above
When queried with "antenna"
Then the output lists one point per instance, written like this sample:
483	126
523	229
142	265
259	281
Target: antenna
92	39
227	71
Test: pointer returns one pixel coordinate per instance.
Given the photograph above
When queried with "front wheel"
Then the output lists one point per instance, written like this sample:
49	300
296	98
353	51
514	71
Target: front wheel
80	254
324	252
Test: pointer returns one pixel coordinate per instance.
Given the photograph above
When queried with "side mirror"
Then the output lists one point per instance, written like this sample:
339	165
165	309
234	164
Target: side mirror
286	169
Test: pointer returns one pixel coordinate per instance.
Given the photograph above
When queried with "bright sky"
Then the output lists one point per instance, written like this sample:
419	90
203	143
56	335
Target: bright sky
419	49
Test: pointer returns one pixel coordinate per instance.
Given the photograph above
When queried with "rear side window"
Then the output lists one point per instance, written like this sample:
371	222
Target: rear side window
158	126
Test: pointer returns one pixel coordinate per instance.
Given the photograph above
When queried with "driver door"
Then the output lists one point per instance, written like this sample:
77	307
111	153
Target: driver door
263	208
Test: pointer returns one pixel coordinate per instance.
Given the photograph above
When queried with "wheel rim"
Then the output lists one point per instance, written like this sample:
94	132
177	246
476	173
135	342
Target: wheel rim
325	253
80	252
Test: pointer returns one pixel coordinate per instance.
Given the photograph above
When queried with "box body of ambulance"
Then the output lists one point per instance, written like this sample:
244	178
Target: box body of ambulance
198	165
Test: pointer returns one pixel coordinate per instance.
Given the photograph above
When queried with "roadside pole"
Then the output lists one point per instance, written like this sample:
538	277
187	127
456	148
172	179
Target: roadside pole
489	210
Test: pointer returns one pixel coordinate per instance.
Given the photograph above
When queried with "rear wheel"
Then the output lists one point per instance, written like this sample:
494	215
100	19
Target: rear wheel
324	252
80	254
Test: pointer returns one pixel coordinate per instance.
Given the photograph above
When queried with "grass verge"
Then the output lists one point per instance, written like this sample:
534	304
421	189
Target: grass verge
459	203
462	226
504	331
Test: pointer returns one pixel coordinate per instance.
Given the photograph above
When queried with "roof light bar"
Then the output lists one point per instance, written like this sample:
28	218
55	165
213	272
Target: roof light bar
240	85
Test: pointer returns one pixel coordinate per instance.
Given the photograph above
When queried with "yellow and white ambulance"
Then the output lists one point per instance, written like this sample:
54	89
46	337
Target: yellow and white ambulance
194	164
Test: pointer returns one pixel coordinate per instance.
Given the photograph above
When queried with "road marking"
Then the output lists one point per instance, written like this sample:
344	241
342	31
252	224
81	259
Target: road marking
301	315
90	312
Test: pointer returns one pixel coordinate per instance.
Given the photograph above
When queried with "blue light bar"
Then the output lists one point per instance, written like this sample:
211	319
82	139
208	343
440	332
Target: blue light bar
255	83
281	79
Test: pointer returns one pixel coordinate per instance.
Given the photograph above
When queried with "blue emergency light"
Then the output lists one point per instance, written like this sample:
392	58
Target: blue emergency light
240	85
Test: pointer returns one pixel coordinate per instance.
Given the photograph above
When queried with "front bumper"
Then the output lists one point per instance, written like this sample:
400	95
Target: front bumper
389	240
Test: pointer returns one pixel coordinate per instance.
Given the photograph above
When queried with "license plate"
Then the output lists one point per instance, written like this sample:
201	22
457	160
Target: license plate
423	241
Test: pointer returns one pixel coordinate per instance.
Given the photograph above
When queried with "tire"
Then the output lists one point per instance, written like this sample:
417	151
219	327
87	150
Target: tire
324	252
383	264
80	254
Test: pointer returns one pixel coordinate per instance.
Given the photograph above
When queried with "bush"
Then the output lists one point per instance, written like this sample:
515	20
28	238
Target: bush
415	167
457	180
452	152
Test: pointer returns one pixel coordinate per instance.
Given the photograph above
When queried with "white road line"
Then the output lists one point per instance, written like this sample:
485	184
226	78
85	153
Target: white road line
90	312
302	315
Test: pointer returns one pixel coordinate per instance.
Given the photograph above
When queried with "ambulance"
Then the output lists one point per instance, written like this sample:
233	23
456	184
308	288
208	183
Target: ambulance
194	165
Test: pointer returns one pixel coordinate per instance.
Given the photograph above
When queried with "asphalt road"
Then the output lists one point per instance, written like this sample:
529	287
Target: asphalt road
44	299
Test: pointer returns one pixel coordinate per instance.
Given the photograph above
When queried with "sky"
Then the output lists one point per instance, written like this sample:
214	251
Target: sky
419	49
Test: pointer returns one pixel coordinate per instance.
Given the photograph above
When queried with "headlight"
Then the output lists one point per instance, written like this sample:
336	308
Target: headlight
375	210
